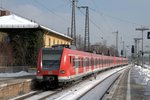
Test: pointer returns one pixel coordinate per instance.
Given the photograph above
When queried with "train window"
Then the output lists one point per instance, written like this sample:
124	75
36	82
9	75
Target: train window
49	41
82	62
100	61
76	62
51	59
73	62
94	62
89	62
97	62
86	62
104	61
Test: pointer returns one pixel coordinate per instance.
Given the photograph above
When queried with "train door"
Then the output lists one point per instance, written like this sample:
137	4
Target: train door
92	63
81	69
77	66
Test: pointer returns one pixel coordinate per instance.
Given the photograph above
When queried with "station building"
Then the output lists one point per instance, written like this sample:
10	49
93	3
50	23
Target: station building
12	21
26	37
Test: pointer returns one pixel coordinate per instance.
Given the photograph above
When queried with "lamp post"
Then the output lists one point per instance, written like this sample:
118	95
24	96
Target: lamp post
102	45
142	29
136	53
148	52
116	40
127	50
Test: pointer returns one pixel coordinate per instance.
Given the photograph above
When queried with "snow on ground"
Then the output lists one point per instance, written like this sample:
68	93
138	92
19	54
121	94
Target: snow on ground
143	74
77	90
18	74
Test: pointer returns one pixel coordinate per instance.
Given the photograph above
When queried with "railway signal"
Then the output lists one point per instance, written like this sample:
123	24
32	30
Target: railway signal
148	35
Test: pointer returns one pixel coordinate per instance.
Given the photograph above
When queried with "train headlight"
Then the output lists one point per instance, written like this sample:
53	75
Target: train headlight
62	72
38	71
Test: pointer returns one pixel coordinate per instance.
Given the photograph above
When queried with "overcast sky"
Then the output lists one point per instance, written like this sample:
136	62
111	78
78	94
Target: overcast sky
106	16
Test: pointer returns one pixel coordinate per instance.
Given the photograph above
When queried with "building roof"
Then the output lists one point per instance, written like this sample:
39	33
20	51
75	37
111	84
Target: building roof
48	29
14	21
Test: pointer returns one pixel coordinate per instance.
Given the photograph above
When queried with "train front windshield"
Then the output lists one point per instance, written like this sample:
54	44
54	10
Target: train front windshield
51	59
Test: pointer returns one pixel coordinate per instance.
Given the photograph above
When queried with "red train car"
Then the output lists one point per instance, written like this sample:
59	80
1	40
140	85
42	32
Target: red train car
62	65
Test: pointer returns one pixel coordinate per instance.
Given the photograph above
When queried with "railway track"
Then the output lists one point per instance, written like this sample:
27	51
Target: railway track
80	89
102	88
41	95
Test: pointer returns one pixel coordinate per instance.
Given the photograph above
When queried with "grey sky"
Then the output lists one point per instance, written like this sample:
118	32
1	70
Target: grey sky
107	16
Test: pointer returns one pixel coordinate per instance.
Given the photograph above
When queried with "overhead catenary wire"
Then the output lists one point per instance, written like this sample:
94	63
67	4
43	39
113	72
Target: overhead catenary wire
91	20
51	11
113	17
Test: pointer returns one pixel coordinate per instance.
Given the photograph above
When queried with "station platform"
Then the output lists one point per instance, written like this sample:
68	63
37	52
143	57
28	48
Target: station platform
14	86
131	85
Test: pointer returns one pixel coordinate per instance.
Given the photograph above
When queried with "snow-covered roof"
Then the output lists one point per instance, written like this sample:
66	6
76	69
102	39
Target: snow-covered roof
48	29
14	21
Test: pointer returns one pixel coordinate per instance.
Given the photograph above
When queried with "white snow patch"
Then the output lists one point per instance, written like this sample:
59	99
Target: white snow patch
18	74
143	74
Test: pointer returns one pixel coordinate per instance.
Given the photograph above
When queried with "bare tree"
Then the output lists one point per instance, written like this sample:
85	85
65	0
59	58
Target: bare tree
80	42
102	48
6	56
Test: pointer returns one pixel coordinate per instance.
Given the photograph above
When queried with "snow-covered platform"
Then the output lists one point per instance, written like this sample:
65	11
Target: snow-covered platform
13	84
8	78
133	85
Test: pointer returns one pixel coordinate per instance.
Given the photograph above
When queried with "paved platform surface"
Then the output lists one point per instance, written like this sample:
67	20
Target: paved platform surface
129	89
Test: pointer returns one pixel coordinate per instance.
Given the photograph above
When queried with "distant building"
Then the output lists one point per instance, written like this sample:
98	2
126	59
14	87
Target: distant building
52	37
4	12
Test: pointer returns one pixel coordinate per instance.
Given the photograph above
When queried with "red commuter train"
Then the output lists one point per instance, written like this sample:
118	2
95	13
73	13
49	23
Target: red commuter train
59	65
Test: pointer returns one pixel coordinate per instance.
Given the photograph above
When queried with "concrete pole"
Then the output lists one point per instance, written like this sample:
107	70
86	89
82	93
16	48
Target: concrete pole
116	40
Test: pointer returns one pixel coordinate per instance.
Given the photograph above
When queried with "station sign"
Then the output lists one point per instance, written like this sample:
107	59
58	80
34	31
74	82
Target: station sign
148	35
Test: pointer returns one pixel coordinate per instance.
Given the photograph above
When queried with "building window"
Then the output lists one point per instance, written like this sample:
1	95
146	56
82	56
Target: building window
49	41
54	41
